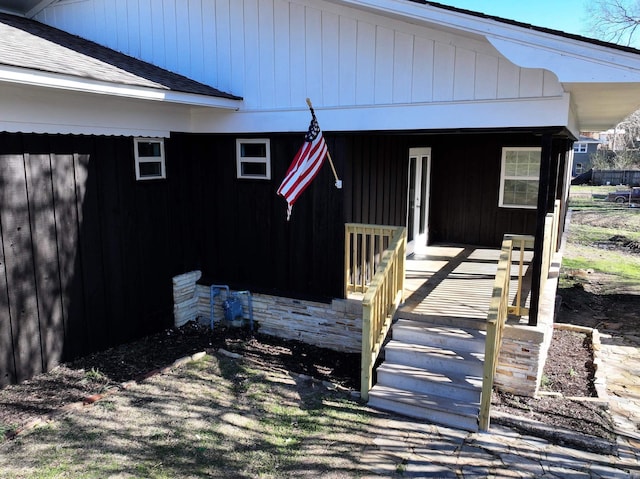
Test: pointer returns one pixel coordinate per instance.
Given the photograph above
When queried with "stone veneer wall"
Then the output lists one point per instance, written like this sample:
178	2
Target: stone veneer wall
336	326
522	356
524	348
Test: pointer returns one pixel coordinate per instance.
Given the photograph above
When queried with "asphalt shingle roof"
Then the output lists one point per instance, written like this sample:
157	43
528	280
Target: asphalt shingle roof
29	44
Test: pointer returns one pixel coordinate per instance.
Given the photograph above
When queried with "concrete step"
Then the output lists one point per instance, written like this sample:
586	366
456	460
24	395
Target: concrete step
434	358
437	409
452	385
446	337
479	323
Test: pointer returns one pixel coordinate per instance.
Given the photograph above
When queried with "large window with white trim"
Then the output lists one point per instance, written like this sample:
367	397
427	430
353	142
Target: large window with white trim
149	155
520	176
253	158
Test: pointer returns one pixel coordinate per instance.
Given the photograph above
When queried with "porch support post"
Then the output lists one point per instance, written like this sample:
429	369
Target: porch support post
543	199
562	190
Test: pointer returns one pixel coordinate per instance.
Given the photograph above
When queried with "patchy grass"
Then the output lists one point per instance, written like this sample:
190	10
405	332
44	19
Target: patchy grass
217	417
595	225
596	259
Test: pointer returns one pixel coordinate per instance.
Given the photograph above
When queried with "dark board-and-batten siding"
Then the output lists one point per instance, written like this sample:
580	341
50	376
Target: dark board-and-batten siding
465	174
236	230
80	248
87	253
465	183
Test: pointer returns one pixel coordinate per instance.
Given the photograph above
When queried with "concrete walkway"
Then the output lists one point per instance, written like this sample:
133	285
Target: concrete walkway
413	449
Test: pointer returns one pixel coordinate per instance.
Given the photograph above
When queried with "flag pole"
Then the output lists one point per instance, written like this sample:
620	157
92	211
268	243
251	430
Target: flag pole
333	168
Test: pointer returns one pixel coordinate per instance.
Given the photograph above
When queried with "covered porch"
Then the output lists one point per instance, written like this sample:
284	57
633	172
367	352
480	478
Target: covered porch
444	325
455	283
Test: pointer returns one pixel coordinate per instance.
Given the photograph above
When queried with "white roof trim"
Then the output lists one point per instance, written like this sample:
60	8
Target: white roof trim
85	85
577	67
38	8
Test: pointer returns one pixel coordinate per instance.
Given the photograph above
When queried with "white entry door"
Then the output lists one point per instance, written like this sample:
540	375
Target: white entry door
418	199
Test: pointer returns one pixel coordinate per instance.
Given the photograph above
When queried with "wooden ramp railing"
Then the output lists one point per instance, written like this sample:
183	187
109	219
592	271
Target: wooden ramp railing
500	309
375	266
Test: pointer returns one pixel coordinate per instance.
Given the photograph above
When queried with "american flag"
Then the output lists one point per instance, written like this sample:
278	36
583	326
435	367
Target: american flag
305	165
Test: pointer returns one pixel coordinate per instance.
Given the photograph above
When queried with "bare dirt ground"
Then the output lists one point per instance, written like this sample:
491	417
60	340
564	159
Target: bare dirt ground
569	371
593	300
40	397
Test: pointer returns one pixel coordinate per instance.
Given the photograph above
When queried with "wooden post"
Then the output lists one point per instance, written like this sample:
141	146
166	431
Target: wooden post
366	380
543	192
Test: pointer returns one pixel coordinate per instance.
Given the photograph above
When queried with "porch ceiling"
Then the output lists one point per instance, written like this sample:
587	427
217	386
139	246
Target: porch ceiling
600	106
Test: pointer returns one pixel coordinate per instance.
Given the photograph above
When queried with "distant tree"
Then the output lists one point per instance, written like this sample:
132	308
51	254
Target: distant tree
616	21
629	128
624	151
610	160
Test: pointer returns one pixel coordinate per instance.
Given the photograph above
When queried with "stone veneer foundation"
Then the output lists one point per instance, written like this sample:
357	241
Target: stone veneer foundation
524	348
336	325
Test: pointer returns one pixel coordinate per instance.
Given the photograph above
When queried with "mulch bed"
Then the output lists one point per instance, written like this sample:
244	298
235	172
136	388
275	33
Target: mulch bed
568	375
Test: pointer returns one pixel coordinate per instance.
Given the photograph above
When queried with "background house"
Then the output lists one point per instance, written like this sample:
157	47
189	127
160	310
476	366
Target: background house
138	143
583	149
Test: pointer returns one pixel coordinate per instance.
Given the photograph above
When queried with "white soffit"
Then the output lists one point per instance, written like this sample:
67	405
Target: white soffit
31	109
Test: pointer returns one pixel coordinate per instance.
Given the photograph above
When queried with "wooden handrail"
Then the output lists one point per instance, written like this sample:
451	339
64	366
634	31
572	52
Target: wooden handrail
364	245
378	253
499	310
550	244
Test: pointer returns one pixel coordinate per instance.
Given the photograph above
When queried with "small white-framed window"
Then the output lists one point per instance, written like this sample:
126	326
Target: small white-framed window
579	147
579	168
520	177
253	158
149	155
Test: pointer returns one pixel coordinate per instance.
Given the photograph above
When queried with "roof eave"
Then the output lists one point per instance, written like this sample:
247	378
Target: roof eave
85	85
514	40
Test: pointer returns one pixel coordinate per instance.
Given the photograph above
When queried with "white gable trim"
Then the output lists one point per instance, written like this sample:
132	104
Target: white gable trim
616	68
85	85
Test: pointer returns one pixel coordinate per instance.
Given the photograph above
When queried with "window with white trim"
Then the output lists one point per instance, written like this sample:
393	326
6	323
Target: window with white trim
520	177
253	158
149	155
579	147
579	168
